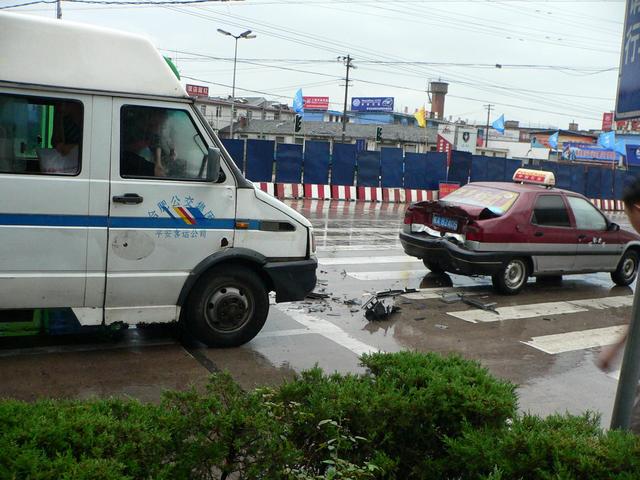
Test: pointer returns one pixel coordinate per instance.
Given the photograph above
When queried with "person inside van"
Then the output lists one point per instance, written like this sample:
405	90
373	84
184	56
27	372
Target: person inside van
141	136
66	139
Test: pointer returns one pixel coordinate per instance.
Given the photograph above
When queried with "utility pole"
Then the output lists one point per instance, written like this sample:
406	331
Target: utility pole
59	9
486	140
347	62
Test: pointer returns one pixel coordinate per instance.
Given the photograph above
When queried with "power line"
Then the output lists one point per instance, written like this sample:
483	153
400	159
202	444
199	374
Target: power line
114	2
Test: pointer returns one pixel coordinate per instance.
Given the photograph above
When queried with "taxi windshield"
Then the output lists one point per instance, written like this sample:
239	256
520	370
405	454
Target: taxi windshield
496	200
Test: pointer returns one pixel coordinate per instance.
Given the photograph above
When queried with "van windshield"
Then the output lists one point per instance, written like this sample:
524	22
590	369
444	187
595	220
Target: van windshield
497	200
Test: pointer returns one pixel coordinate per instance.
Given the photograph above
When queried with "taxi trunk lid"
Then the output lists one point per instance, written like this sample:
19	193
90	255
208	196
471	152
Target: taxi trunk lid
444	217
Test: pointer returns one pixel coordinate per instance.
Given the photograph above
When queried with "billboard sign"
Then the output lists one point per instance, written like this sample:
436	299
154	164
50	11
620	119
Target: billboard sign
466	138
633	155
316	103
197	91
628	98
372	104
607	121
587	152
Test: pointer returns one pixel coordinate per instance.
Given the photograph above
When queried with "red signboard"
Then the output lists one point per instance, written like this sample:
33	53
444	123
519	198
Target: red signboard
445	145
197	91
607	121
316	103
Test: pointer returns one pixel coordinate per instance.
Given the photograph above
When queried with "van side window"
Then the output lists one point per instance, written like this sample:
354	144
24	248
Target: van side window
160	143
550	211
40	135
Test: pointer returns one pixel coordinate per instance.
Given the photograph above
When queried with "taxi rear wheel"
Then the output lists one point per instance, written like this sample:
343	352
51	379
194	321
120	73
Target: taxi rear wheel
512	277
627	269
433	267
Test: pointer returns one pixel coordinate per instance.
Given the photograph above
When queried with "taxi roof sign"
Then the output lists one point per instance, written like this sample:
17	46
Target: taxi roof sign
536	177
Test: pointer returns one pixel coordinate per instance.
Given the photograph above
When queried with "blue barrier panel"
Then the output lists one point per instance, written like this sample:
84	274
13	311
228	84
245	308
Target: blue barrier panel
564	178
288	163
479	168
578	179
436	170
316	162
391	167
259	160
236	150
495	169
606	183
368	169
460	169
592	184
415	170
510	167
549	167
343	164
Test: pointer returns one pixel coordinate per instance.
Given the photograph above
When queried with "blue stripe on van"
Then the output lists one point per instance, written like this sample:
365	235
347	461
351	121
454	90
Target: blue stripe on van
31	220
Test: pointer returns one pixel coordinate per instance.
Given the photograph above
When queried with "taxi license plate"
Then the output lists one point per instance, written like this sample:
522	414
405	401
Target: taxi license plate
444	222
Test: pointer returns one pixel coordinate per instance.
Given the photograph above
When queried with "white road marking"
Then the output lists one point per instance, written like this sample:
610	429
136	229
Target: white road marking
328	330
355	238
570	341
543	309
284	333
389	230
368	260
430	293
388	275
350	248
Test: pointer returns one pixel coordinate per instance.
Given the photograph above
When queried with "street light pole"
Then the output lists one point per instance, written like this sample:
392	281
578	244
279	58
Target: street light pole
246	35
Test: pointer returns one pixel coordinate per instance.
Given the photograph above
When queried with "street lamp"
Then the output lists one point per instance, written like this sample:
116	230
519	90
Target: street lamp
246	35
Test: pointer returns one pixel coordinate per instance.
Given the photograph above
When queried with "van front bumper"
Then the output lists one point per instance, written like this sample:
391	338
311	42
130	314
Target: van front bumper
451	256
292	280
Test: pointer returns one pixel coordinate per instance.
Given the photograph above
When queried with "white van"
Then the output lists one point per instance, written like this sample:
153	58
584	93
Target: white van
118	200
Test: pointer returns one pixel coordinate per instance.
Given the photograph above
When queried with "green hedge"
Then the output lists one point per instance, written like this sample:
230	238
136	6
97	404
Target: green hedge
411	416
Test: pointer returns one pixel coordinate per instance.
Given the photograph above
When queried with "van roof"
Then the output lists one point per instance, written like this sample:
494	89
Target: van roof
58	53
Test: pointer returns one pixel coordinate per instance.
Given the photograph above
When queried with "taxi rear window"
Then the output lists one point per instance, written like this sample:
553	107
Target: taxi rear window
496	200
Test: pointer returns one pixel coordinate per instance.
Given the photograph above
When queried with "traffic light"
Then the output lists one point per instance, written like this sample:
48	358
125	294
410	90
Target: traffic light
298	123
378	134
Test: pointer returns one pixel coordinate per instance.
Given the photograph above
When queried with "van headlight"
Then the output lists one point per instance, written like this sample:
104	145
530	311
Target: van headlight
313	240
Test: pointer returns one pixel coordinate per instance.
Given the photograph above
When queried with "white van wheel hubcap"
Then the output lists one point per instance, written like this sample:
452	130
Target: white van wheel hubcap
228	309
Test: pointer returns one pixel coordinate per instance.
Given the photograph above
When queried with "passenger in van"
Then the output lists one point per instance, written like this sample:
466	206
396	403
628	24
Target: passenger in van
142	154
66	139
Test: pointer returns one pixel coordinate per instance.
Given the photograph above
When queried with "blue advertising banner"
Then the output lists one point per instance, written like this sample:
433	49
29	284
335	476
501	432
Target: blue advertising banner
259	161
589	152
391	166
288	163
633	155
316	162
343	164
368	169
628	98
372	104
236	150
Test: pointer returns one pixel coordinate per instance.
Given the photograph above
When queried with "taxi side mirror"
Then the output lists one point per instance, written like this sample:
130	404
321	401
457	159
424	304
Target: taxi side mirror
213	164
613	227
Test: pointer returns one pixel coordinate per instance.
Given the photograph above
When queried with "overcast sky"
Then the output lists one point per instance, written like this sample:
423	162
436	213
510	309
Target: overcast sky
559	57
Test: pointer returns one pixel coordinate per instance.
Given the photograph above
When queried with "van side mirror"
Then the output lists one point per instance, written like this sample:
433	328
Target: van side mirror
613	227
213	164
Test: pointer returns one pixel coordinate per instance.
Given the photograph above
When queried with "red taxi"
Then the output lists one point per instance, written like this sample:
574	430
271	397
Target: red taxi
512	231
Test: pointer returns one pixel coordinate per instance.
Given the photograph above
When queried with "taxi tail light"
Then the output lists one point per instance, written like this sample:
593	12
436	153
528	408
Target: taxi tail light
415	215
474	232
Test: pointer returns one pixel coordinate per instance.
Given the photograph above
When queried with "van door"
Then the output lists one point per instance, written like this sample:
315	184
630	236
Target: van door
44	198
164	216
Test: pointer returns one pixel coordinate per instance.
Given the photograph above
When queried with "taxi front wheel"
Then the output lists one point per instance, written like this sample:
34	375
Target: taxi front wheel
627	269
512	277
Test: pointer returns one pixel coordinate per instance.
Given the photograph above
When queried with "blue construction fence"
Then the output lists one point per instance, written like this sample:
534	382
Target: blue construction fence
315	163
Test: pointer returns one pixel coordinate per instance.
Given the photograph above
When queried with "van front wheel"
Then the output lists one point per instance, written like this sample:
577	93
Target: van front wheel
227	309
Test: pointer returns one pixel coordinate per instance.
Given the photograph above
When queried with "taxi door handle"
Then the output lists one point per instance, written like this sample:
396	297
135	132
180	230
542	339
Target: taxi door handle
128	198
538	234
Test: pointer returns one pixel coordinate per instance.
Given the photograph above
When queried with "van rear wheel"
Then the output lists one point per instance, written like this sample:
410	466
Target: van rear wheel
227	307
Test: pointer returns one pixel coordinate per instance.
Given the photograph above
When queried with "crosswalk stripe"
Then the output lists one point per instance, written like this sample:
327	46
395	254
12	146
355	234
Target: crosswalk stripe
368	260
570	341
388	275
354	238
543	309
330	230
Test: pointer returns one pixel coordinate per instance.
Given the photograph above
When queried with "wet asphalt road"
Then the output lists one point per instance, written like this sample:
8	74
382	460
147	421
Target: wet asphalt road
545	339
